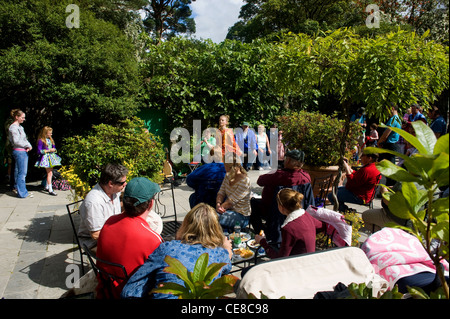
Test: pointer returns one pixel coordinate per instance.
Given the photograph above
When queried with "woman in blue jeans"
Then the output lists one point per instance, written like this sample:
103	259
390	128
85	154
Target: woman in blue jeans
21	146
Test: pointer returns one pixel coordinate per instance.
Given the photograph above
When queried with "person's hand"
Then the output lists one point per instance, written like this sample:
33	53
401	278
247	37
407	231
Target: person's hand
227	244
220	209
258	238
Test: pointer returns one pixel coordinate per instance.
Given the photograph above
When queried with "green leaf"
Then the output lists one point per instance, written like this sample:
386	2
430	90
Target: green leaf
172	289
221	286
200	268
177	268
425	136
399	206
212	271
442	145
395	172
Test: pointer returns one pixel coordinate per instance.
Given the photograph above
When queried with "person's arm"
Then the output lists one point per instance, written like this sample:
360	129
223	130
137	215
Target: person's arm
95	234
268	145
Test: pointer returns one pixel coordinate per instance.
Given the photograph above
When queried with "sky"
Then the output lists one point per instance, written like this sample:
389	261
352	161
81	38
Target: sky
214	17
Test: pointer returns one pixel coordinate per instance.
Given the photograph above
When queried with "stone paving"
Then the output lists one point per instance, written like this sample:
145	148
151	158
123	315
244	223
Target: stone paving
37	243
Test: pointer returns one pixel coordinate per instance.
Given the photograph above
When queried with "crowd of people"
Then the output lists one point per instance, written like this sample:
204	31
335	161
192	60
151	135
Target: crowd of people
119	225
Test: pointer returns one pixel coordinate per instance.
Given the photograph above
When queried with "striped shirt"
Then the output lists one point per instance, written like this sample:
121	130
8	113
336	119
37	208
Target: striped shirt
238	193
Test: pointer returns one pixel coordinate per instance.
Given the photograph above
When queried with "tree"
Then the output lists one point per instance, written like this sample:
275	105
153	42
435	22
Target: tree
167	18
194	79
66	78
260	18
397	68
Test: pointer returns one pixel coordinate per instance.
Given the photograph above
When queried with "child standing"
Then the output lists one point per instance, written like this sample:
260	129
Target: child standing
372	139
47	157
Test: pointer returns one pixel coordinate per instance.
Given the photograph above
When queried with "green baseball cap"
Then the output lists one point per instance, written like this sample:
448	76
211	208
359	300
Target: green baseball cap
142	189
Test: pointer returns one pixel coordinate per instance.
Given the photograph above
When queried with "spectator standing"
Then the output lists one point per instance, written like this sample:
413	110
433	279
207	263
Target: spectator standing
389	139
263	146
439	126
246	140
227	140
416	115
20	148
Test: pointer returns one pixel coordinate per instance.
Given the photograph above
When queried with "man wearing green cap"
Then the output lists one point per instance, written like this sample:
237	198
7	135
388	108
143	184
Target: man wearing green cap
127	239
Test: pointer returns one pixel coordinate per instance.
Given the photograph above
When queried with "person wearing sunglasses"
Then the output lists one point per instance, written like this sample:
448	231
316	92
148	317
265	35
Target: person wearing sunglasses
102	202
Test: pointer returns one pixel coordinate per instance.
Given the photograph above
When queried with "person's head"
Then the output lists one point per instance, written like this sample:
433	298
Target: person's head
201	226
113	177
245	126
46	132
369	158
139	195
434	112
415	108
261	129
289	200
374	126
233	165
394	109
223	121
294	159
361	111
18	115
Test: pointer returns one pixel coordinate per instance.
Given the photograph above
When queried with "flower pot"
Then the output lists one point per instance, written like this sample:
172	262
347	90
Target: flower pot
320	172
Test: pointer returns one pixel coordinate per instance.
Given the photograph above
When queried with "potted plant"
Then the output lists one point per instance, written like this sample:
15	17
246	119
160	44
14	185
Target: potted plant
319	136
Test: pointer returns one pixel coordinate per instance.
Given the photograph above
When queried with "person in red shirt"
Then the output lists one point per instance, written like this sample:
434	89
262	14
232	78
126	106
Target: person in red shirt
360	184
127	238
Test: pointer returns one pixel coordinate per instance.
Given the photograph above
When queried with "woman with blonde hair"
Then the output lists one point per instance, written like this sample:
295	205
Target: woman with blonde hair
47	157
199	233
233	198
298	232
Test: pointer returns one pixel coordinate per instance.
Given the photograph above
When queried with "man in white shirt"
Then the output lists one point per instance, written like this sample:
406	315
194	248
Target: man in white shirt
102	202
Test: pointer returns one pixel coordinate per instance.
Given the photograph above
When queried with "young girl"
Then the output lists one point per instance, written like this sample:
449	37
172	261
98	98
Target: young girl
372	139
298	232
47	157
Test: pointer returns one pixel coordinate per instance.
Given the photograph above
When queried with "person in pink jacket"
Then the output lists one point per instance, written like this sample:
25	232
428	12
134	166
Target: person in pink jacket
401	259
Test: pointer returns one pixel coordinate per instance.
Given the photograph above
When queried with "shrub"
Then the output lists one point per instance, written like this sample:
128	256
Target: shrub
318	135
128	143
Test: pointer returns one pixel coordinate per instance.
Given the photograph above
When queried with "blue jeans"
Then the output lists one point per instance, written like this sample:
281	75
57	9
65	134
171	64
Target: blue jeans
345	196
20	172
228	220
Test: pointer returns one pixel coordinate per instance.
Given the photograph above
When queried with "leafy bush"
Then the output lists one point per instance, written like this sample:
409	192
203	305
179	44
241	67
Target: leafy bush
199	284
128	143
318	135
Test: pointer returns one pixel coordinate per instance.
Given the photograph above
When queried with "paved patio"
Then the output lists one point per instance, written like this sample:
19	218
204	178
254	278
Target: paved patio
36	240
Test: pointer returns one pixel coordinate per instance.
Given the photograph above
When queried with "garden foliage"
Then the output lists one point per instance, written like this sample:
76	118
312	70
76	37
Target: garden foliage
128	143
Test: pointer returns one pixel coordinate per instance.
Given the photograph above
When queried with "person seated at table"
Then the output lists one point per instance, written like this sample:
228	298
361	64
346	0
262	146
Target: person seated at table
289	176
127	239
207	179
102	202
298	232
400	259
199	233
360	184
233	198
